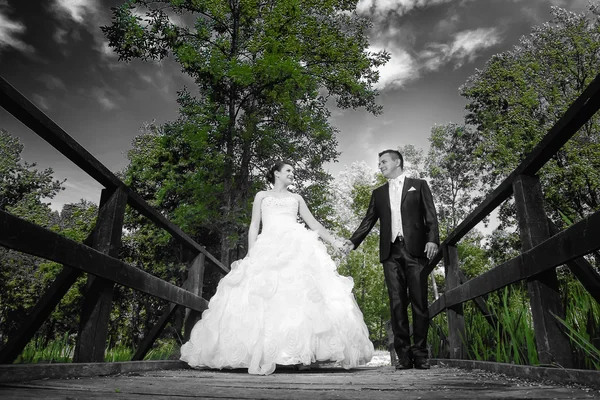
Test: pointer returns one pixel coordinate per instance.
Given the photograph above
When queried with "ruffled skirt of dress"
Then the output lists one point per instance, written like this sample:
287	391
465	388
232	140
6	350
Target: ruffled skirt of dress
283	304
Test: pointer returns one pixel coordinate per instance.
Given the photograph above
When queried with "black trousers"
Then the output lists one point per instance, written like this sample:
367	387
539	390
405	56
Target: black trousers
403	279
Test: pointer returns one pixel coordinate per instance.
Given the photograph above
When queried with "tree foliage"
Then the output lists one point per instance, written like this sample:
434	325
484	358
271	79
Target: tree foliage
264	73
351	192
23	278
521	93
19	179
453	179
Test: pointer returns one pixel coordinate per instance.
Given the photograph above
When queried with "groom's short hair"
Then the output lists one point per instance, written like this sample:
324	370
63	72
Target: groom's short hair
395	154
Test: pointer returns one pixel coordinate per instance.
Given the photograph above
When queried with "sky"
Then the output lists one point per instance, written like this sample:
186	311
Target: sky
54	53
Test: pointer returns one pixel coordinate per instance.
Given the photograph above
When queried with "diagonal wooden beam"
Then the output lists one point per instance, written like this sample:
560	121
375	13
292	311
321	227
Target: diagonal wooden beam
583	270
578	240
193	284
40	312
482	305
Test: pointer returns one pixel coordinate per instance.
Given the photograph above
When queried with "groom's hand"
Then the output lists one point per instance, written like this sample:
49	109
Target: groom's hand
430	249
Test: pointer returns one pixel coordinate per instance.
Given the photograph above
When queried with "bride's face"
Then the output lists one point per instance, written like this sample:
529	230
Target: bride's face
286	175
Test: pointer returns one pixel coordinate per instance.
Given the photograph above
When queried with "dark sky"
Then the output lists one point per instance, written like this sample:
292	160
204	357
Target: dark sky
54	53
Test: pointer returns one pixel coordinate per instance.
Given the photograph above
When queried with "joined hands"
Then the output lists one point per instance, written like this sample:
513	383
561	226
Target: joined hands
343	247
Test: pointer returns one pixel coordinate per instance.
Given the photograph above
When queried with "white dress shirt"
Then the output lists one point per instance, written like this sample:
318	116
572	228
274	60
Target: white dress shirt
396	186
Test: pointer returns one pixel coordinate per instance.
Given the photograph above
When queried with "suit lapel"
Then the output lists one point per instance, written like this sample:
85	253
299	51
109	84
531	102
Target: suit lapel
407	185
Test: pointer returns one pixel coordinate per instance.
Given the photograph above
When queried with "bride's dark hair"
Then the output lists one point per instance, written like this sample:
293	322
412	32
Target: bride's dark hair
276	167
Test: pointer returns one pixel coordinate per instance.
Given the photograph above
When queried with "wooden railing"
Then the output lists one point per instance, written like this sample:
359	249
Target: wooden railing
543	247
96	256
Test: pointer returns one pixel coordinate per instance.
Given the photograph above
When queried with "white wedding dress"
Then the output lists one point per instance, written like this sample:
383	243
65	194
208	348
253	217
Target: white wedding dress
284	303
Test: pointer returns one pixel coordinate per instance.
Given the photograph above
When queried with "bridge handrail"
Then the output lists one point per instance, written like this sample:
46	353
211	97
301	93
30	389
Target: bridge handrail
580	111
31	116
543	248
576	241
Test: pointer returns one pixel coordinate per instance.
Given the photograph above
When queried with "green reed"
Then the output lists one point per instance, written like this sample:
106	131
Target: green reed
58	350
582	324
164	349
62	349
512	339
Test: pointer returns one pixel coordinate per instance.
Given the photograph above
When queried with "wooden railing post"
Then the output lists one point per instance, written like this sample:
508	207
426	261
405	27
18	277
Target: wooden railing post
196	276
456	318
193	284
552	344
97	303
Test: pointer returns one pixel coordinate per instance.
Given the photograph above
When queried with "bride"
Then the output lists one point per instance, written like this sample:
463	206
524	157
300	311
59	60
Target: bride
284	303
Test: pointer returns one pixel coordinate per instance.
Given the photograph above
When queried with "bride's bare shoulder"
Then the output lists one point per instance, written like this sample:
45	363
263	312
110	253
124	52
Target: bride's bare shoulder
298	197
260	195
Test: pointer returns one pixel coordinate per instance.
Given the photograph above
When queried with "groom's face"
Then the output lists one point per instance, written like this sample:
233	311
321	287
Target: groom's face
389	167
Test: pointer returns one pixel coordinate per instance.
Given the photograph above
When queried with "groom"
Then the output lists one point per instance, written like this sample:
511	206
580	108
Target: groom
409	236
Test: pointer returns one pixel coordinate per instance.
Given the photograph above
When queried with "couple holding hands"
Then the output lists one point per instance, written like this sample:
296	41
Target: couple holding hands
285	303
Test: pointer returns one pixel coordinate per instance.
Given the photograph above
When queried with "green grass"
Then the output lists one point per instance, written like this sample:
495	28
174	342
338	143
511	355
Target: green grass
61	350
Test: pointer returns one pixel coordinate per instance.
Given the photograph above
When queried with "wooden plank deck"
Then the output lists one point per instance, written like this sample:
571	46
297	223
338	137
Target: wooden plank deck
322	382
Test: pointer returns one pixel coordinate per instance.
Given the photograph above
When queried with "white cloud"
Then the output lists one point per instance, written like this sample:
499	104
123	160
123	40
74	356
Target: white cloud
76	10
90	15
365	140
51	82
41	102
175	19
110	57
107	51
400	69
9	32
382	8
464	48
59	36
102	97
76	189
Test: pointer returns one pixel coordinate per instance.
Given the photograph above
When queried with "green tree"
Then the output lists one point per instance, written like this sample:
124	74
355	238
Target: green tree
351	192
20	180
75	221
22	188
264	72
23	277
413	162
521	93
453	179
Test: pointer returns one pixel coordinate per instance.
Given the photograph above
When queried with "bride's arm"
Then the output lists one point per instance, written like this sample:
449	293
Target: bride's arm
255	222
316	225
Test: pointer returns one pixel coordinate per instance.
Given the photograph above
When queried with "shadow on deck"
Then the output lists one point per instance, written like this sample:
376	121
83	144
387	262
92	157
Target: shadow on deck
322	382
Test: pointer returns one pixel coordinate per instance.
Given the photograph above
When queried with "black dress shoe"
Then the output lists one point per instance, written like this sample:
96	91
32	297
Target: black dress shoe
421	363
404	363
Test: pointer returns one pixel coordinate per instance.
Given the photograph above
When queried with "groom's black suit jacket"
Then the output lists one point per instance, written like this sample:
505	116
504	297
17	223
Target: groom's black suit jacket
419	219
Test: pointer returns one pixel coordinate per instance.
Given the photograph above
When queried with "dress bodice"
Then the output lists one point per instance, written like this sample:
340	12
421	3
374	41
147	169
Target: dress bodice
279	211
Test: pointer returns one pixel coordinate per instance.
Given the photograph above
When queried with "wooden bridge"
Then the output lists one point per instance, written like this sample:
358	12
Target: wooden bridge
544	249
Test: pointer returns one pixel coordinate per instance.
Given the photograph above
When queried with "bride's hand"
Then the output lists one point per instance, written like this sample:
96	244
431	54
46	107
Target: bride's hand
339	247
